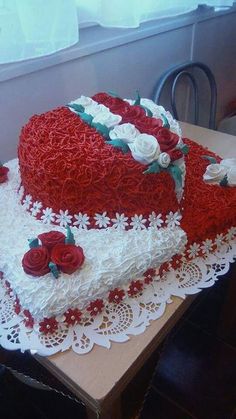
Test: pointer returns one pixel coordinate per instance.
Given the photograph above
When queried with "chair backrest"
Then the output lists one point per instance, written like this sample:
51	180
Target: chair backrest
185	71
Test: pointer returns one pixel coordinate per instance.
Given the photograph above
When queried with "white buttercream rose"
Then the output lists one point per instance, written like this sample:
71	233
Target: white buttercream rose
95	109
126	132
228	162
84	101
214	173
145	148
164	160
107	118
231	176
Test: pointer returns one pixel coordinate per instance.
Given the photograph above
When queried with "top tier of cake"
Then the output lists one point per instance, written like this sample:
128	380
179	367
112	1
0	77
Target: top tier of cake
101	158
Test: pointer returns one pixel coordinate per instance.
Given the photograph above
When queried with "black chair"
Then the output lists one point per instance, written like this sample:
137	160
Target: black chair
187	72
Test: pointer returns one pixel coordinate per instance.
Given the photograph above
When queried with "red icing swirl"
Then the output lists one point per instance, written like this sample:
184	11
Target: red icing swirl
66	164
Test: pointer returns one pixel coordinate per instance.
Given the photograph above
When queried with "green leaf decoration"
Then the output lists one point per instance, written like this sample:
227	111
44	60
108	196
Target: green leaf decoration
114	94
33	243
148	112
138	98
86	117
184	149
76	107
53	268
154	167
69	236
224	181
101	128
119	144
165	121
211	159
176	174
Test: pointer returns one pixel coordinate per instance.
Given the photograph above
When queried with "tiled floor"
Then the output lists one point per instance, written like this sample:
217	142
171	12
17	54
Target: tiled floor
193	373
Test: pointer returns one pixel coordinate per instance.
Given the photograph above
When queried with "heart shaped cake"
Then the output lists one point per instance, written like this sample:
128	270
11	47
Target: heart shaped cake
104	196
74	163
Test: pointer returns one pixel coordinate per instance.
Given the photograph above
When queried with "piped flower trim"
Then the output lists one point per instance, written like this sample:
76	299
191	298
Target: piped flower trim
149	139
133	290
103	220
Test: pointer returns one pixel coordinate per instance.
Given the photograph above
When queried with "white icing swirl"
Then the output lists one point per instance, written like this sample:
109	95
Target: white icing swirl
145	148
164	160
214	173
126	132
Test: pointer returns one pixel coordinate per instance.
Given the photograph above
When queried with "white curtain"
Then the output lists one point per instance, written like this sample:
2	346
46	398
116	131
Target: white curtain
35	28
130	13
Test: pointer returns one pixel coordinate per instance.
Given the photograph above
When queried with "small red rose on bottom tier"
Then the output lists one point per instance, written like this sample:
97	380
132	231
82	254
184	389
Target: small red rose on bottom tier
3	173
35	261
67	257
50	239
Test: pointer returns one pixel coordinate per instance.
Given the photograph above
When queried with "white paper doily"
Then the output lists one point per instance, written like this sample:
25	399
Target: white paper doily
118	321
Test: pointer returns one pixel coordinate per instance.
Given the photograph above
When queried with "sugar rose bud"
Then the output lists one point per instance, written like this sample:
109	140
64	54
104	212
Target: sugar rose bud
164	160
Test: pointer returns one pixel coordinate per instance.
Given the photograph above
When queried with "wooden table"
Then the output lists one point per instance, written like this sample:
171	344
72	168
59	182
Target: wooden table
99	378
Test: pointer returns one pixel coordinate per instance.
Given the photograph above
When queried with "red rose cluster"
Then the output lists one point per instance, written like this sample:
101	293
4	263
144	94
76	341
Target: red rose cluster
3	173
67	257
136	115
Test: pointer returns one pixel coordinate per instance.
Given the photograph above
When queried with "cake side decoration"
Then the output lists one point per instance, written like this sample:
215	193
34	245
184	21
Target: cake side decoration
57	253
223	173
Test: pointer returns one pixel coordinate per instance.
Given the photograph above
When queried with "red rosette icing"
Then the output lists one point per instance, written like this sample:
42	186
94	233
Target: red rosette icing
167	139
115	104
50	239
67	257
66	165
149	125
35	261
207	209
3	174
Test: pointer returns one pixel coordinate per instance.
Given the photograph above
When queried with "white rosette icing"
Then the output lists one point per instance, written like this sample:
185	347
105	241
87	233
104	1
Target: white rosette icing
214	173
83	101
145	148
107	118
231	176
126	132
228	163
164	160
127	255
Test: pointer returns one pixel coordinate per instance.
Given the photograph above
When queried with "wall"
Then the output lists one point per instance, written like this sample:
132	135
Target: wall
122	65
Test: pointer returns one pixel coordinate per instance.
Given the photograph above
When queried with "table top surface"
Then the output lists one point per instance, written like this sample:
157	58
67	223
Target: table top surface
104	373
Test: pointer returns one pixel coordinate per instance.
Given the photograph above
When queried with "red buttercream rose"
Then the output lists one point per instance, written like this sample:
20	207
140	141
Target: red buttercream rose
49	240
67	257
35	261
132	114
115	104
149	125
3	174
166	139
175	155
